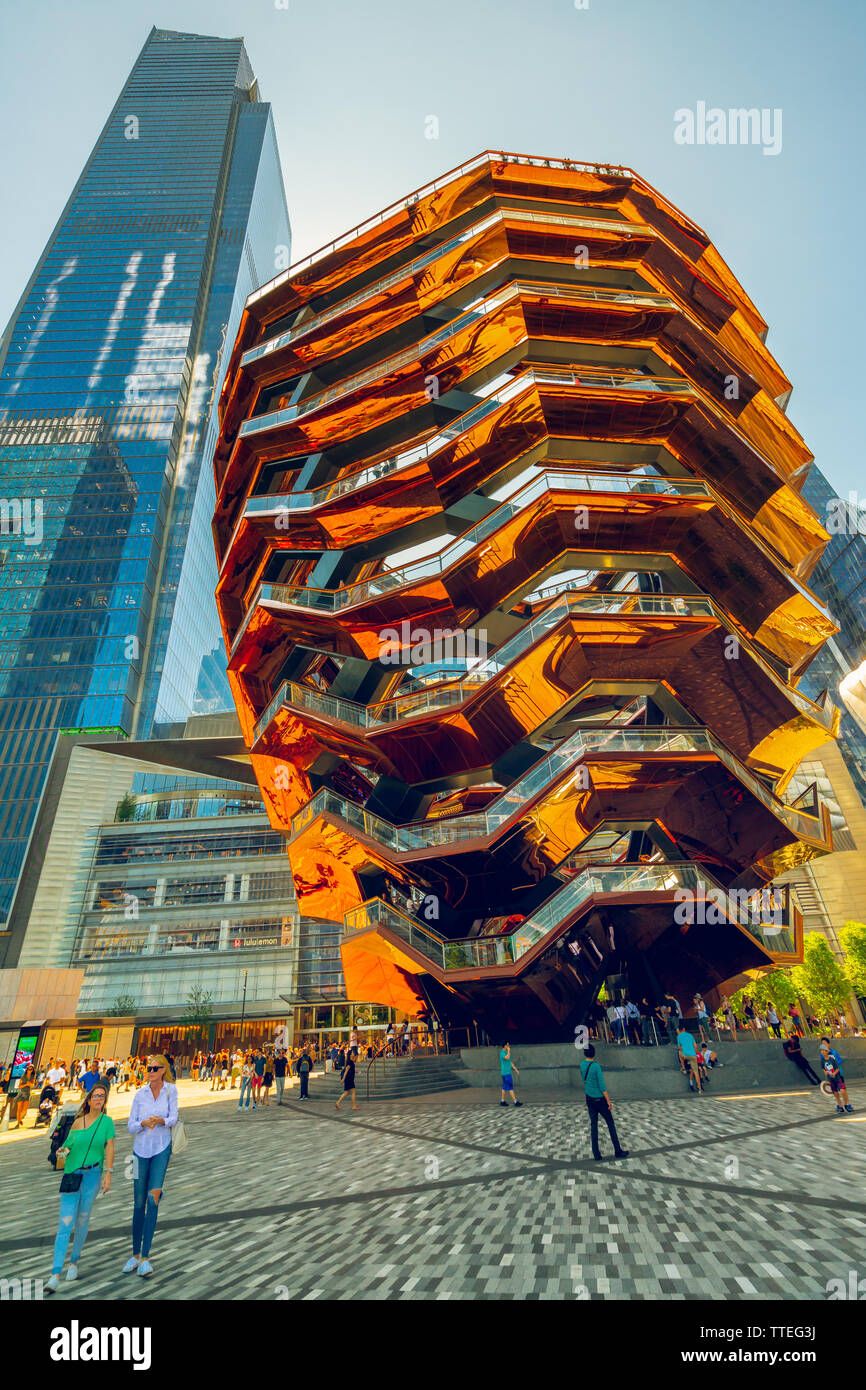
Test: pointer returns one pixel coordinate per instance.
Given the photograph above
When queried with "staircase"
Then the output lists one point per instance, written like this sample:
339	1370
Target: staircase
390	1079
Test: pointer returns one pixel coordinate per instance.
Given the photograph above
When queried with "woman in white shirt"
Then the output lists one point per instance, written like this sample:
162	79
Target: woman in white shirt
151	1120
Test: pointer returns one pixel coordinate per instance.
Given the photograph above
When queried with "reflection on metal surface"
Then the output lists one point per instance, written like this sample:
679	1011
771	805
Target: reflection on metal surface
557	469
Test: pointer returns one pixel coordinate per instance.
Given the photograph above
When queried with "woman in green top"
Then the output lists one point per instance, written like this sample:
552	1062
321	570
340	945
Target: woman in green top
89	1150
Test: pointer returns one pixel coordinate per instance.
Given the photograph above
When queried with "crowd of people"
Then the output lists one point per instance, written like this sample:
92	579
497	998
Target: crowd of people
652	1022
54	1077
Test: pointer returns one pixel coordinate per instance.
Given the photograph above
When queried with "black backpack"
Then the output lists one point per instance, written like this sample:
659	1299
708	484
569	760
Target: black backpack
58	1138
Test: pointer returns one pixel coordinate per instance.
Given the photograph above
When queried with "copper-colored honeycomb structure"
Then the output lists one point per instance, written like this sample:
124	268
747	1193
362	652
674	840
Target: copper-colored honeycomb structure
514	585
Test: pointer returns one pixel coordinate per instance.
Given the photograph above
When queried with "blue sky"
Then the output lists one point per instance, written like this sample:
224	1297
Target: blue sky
352	83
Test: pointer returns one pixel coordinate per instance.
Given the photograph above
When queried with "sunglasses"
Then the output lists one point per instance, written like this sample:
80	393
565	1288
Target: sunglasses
154	1069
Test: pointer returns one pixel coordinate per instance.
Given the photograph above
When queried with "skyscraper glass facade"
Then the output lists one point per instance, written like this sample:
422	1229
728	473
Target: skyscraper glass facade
839	579
109	373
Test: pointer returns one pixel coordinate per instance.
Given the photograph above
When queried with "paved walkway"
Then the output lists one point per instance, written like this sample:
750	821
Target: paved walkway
449	1196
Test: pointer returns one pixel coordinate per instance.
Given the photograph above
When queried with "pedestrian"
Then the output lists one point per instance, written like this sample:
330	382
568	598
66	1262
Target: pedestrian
224	1071
632	1019
151	1119
794	1053
90	1077
347	1076
674	1016
246	1086
598	1103
87	1155
334	1055
730	1017
647	1011
237	1063
796	1023
703	1019
267	1080
774	1022
688	1056
258	1073
56	1077
281	1066
305	1066
354	1042
749	1011
506	1068
21	1096
832	1064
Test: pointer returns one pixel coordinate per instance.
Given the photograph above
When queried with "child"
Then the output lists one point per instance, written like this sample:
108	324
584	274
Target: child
832	1064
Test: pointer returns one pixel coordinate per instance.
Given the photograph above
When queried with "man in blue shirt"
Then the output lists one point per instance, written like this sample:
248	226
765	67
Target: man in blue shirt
90	1078
598	1103
689	1057
506	1066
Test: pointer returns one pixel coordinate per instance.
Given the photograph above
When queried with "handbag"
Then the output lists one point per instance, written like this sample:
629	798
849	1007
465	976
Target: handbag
71	1182
179	1138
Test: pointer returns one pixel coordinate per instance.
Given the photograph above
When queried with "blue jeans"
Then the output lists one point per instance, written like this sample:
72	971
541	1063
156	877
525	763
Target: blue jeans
75	1208
148	1175
246	1087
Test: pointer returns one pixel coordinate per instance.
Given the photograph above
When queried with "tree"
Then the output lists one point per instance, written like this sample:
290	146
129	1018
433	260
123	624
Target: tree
853	939
199	1011
775	988
820	979
124	1004
126	807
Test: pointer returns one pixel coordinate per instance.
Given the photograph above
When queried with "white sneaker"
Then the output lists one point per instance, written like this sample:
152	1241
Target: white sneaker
72	1272
132	1264
145	1268
51	1284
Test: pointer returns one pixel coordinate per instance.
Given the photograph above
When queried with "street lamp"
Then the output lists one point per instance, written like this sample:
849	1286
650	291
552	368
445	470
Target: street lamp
243	1008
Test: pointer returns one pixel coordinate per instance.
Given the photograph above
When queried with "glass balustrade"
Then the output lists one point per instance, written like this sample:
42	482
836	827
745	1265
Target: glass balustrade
575	166
479	952
548	480
514	801
584	376
461	686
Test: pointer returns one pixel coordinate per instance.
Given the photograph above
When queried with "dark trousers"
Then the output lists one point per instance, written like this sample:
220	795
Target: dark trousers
305	1083
804	1066
596	1108
777	1029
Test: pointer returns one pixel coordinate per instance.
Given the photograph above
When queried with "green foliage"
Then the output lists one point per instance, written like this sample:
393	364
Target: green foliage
126	808
198	1012
776	988
123	1005
853	939
820	980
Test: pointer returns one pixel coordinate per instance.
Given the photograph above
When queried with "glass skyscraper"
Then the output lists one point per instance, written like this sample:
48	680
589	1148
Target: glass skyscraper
110	369
839	580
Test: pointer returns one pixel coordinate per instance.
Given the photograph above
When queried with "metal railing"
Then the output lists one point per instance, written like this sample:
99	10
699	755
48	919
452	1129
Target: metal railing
514	801
410	356
546	481
479	952
627	604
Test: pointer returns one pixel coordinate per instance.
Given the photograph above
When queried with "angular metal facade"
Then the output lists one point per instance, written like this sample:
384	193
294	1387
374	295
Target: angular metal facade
514	584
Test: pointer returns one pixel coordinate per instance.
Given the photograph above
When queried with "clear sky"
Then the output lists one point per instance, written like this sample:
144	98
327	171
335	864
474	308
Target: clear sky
353	82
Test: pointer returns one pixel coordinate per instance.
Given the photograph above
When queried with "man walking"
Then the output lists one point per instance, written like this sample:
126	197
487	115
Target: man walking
774	1022
305	1066
646	1019
280	1068
506	1068
598	1103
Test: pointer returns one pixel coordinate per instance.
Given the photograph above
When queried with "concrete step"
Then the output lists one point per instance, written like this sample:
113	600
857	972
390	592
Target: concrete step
653	1072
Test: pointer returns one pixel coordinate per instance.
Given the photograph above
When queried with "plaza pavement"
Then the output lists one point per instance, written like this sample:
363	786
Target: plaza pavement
451	1197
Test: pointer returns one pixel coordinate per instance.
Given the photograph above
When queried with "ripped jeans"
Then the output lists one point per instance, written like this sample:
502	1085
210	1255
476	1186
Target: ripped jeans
75	1209
148	1176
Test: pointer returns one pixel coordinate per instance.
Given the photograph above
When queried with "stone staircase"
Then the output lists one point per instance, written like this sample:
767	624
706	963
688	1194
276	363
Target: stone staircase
389	1080
652	1073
